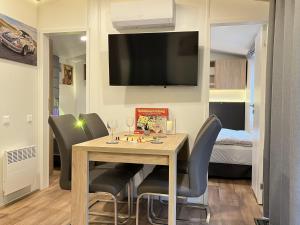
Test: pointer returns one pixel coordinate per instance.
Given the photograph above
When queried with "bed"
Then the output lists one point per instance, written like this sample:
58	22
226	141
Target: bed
232	154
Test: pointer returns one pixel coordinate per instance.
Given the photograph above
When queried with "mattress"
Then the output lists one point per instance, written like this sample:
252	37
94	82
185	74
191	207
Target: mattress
232	154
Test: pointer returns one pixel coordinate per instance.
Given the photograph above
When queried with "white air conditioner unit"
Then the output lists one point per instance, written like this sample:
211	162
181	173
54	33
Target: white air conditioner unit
129	14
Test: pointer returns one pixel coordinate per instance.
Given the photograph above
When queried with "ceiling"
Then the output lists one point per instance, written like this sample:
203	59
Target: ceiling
235	39
68	45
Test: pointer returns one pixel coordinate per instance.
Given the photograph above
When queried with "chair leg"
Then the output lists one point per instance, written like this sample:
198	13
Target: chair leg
116	210
131	195
201	207
150	210
115	214
137	209
154	216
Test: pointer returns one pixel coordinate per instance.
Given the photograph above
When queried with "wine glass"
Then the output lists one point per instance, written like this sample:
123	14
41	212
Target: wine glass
112	126
156	127
129	123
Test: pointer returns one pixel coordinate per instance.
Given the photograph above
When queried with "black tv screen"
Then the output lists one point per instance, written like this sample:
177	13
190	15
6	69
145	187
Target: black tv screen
153	59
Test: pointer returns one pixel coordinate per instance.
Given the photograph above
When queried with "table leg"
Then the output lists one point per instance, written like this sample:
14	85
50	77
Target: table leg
172	189
80	185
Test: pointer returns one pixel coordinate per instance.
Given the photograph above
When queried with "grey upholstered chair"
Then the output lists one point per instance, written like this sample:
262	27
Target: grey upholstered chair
182	165
191	184
94	128
111	181
93	125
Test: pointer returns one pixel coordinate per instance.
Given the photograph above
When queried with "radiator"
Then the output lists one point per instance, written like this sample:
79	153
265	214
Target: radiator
19	169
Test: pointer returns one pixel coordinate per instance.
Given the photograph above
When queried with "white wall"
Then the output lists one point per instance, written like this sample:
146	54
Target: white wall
17	89
62	14
80	86
72	98
188	104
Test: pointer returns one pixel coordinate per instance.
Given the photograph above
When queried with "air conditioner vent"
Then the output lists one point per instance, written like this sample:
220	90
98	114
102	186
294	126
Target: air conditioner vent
19	169
21	154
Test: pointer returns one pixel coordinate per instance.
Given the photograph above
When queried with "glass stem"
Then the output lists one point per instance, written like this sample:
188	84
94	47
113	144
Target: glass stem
112	134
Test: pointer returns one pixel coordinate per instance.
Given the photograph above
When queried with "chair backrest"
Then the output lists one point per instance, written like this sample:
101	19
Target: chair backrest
200	156
211	117
67	134
93	126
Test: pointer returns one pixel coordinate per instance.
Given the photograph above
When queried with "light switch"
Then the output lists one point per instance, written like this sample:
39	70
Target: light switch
6	120
29	118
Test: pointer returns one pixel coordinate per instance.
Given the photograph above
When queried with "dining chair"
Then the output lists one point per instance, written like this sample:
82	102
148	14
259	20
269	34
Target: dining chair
94	127
111	181
189	185
182	165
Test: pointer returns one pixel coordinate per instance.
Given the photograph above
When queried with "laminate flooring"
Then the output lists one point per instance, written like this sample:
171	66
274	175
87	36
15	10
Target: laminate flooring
231	202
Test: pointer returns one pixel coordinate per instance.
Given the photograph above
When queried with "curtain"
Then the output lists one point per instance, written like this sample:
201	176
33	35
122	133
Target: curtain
282	146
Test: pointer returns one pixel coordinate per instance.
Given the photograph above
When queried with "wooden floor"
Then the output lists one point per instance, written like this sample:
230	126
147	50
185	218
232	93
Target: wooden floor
231	203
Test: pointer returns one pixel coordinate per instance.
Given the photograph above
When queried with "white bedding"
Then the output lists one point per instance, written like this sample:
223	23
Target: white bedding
234	137
233	147
232	154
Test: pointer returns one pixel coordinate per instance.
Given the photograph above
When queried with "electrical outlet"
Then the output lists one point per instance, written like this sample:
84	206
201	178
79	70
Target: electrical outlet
6	120
29	118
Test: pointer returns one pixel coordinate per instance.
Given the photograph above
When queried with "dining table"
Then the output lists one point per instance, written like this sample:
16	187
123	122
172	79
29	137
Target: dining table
125	151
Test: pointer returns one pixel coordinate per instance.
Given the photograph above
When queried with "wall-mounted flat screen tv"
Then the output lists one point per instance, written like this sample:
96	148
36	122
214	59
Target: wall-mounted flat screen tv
153	59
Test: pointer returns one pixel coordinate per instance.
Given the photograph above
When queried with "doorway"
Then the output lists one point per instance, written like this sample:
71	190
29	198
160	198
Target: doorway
236	96
67	82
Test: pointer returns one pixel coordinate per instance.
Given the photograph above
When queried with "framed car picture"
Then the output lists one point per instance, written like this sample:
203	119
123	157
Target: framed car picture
18	41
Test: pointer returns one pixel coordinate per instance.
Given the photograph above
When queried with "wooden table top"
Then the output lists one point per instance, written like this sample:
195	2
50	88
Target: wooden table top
171	144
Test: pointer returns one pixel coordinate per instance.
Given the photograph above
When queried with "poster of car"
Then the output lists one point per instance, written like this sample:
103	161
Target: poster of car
18	41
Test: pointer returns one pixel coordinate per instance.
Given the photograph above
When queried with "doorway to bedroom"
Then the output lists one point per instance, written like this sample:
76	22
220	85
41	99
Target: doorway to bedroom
237	97
67	82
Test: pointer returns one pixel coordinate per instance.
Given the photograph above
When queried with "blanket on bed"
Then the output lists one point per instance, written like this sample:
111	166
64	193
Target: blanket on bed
234	137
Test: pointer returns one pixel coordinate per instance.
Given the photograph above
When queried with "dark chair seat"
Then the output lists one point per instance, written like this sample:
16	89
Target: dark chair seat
111	181
158	183
131	168
182	167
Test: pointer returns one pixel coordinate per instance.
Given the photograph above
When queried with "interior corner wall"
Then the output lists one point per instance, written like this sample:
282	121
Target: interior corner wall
17	90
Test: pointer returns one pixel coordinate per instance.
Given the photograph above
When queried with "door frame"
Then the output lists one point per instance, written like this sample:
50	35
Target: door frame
43	96
226	22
